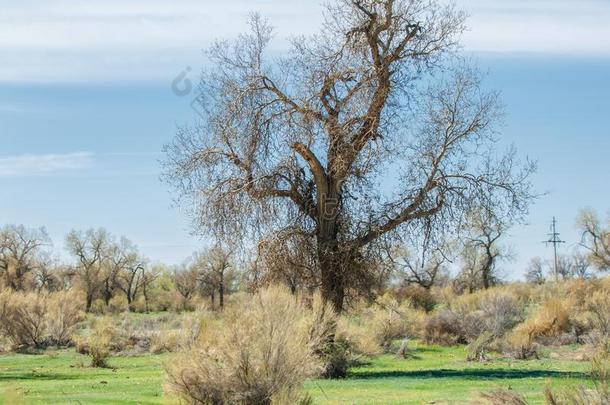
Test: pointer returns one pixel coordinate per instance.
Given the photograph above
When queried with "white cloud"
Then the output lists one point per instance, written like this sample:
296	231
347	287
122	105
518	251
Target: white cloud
79	40
28	164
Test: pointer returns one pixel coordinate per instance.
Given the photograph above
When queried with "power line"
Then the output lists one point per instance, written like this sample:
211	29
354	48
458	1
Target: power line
554	240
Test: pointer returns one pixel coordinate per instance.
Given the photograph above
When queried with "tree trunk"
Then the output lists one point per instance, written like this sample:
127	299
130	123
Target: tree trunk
333	282
89	302
221	293
330	256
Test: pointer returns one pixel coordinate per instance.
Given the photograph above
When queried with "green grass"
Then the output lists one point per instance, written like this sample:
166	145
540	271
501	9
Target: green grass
434	374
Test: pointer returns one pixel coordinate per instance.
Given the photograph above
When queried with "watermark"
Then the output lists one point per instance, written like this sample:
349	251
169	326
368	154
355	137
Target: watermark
182	86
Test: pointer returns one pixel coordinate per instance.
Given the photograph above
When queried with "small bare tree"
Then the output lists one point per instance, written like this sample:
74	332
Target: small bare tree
596	239
127	268
420	265
375	101
484	230
535	271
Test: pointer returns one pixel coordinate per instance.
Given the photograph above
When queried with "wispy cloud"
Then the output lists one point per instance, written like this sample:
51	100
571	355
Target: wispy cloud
29	165
76	40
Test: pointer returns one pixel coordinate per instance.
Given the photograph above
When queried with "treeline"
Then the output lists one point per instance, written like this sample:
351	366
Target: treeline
110	273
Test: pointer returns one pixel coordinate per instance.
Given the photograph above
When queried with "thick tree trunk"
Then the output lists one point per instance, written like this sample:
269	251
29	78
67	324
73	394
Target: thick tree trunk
330	256
331	269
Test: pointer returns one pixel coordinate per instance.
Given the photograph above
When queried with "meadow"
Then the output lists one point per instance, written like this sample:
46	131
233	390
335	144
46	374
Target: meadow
431	374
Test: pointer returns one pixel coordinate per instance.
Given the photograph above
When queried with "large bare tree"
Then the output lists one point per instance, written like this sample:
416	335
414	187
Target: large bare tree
358	133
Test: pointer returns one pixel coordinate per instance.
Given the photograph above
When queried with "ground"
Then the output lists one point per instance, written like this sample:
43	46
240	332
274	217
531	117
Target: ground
434	375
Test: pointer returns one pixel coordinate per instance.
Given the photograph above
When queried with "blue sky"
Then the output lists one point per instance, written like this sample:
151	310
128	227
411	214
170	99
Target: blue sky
86	105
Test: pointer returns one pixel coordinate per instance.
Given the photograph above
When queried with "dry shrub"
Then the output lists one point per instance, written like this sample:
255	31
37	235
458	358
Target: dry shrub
550	320
388	321
502	397
118	304
521	345
99	341
361	340
478	349
98	307
260	354
63	314
191	329
23	319
418	296
496	310
444	328
598	306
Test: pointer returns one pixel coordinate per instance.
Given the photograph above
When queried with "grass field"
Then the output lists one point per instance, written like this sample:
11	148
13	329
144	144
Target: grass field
434	375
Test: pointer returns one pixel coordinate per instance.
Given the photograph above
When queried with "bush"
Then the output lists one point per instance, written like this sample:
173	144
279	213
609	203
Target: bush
118	304
63	314
263	351
444	328
419	297
23	319
503	397
360	339
477	350
598	307
99	340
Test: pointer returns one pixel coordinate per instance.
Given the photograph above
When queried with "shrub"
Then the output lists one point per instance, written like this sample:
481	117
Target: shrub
478	349
23	319
521	345
63	314
444	328
598	307
262	351
118	304
503	397
98	307
99	340
360	339
550	320
418	297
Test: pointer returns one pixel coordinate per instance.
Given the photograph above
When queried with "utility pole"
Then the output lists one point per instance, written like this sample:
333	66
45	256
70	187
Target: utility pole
555	240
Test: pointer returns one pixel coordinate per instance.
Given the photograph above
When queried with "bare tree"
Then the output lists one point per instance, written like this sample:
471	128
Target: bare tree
288	258
185	280
596	239
149	276
535	271
90	249
126	269
581	266
484	231
375	101
421	266
20	254
216	270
